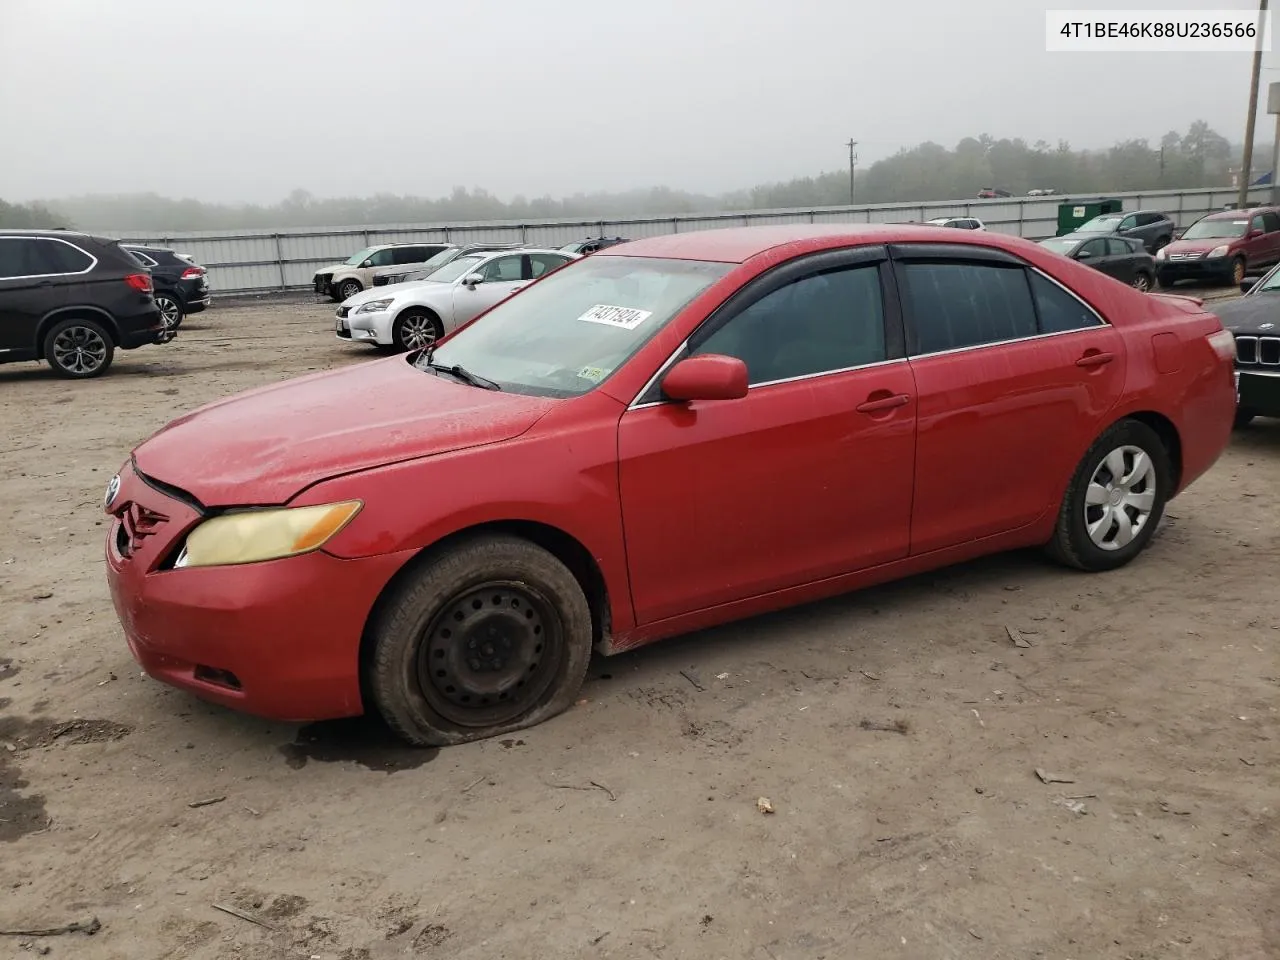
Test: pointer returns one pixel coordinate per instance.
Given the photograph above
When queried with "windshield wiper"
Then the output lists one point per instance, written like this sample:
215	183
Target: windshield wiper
456	370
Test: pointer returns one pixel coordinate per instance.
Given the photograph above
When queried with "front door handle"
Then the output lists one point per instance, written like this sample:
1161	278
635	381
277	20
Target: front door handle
1095	358
881	402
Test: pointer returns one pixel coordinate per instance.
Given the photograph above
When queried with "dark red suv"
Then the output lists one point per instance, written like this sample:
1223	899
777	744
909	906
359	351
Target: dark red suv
1222	247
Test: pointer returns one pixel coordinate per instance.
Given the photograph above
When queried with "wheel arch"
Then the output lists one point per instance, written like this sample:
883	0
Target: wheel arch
76	313
563	546
1167	431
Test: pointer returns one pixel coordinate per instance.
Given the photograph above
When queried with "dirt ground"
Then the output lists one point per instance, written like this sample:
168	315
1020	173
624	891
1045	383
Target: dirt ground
896	733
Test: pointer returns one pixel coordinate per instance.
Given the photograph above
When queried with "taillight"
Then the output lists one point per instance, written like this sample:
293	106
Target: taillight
139	281
193	273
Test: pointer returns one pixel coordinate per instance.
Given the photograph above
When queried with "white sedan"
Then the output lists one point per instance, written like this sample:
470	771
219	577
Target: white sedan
409	316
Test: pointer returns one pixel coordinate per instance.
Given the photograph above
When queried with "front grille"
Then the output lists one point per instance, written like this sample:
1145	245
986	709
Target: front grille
1185	256
322	282
1264	351
136	524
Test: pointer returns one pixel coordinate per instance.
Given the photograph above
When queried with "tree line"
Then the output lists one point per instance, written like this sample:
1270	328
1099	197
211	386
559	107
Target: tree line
1198	158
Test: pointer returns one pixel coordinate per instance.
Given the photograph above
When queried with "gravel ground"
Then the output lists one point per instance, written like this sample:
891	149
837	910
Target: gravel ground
896	734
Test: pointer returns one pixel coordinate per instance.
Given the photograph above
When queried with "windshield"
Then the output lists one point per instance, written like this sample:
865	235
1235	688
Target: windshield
458	267
1060	245
568	333
438	261
358	258
1270	282
1100	225
1208	229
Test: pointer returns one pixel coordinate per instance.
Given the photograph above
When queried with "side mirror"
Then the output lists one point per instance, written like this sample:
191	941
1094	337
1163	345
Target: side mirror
472	280
1084	255
708	377
365	264
1255	233
1248	283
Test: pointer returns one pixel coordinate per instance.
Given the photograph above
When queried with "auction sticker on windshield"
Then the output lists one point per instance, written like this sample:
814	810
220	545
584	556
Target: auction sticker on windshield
625	318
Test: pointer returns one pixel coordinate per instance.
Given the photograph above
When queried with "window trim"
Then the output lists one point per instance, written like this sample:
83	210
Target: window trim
93	261
147	259
871	255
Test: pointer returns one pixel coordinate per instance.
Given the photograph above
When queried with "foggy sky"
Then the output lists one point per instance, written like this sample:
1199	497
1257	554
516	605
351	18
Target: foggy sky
247	99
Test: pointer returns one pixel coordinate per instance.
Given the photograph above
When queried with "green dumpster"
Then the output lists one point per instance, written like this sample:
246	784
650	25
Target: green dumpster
1073	213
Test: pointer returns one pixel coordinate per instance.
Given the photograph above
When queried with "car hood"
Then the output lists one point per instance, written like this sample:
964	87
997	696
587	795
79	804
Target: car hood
265	446
333	268
393	291
1198	246
1249	314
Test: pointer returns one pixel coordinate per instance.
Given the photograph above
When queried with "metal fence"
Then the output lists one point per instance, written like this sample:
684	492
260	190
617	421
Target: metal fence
263	260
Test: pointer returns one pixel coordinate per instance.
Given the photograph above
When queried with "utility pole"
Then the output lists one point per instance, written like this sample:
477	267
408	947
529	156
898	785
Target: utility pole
1273	107
1162	164
1242	198
853	163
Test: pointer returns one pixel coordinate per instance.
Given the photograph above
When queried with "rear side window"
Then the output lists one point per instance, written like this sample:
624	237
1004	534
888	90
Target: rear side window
143	258
955	305
59	257
540	263
1058	310
18	257
409	255
1272	221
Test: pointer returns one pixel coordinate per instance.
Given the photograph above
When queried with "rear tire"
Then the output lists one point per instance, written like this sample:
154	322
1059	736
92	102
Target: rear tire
78	349
1244	417
1115	499
171	310
489	635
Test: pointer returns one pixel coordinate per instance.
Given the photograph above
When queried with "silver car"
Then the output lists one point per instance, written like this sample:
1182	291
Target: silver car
409	316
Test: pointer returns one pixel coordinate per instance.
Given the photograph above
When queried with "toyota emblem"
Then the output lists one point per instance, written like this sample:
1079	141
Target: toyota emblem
113	490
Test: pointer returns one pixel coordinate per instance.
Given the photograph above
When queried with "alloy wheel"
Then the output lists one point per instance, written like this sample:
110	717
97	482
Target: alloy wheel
170	312
79	350
1141	283
1120	497
490	654
417	331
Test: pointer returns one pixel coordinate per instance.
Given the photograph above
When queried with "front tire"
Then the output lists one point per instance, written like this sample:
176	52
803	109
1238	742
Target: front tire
490	635
415	329
347	289
1237	271
1115	499
78	349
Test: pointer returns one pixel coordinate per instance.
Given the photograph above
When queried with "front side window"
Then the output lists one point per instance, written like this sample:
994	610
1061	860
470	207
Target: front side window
385	257
358	258
567	334
503	269
956	305
1092	249
1058	310
825	322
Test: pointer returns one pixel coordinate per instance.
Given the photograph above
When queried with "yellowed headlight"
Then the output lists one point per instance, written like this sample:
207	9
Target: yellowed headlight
257	535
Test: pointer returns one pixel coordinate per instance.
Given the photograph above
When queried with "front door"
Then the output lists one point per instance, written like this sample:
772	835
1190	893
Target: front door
1015	378
807	477
30	288
502	276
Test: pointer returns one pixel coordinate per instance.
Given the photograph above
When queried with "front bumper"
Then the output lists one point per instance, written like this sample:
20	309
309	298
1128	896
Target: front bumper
1259	391
362	327
279	639
1205	268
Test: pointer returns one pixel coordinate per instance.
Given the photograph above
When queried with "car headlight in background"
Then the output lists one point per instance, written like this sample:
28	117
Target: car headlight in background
256	535
376	306
1218	251
1160	254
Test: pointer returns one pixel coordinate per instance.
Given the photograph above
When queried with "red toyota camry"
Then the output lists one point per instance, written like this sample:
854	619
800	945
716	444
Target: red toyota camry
670	434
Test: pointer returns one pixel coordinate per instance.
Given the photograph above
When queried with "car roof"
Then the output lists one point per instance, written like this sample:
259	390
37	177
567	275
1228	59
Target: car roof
43	232
1235	214
739	244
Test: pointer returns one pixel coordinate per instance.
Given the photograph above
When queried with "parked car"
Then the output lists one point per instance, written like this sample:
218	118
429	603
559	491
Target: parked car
72	300
1119	257
444	538
390	275
409	316
592	245
958	223
181	284
346	279
991	193
1222	247
1254	321
1153	228
1041	192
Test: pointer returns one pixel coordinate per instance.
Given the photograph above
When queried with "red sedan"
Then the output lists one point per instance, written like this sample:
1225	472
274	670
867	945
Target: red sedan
673	433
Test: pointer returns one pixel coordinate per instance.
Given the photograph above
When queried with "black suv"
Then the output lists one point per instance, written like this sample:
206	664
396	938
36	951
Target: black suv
182	285
71	299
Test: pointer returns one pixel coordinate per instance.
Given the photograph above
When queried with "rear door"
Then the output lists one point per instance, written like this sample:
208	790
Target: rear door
1121	258
29	289
1015	377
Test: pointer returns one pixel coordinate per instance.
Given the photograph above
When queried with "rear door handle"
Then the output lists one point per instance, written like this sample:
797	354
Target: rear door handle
1095	359
883	403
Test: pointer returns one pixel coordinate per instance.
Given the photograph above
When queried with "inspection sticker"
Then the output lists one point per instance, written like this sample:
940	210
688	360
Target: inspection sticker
594	374
625	318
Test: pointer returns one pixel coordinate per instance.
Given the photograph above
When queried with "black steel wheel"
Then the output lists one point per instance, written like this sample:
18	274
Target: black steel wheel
485	636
